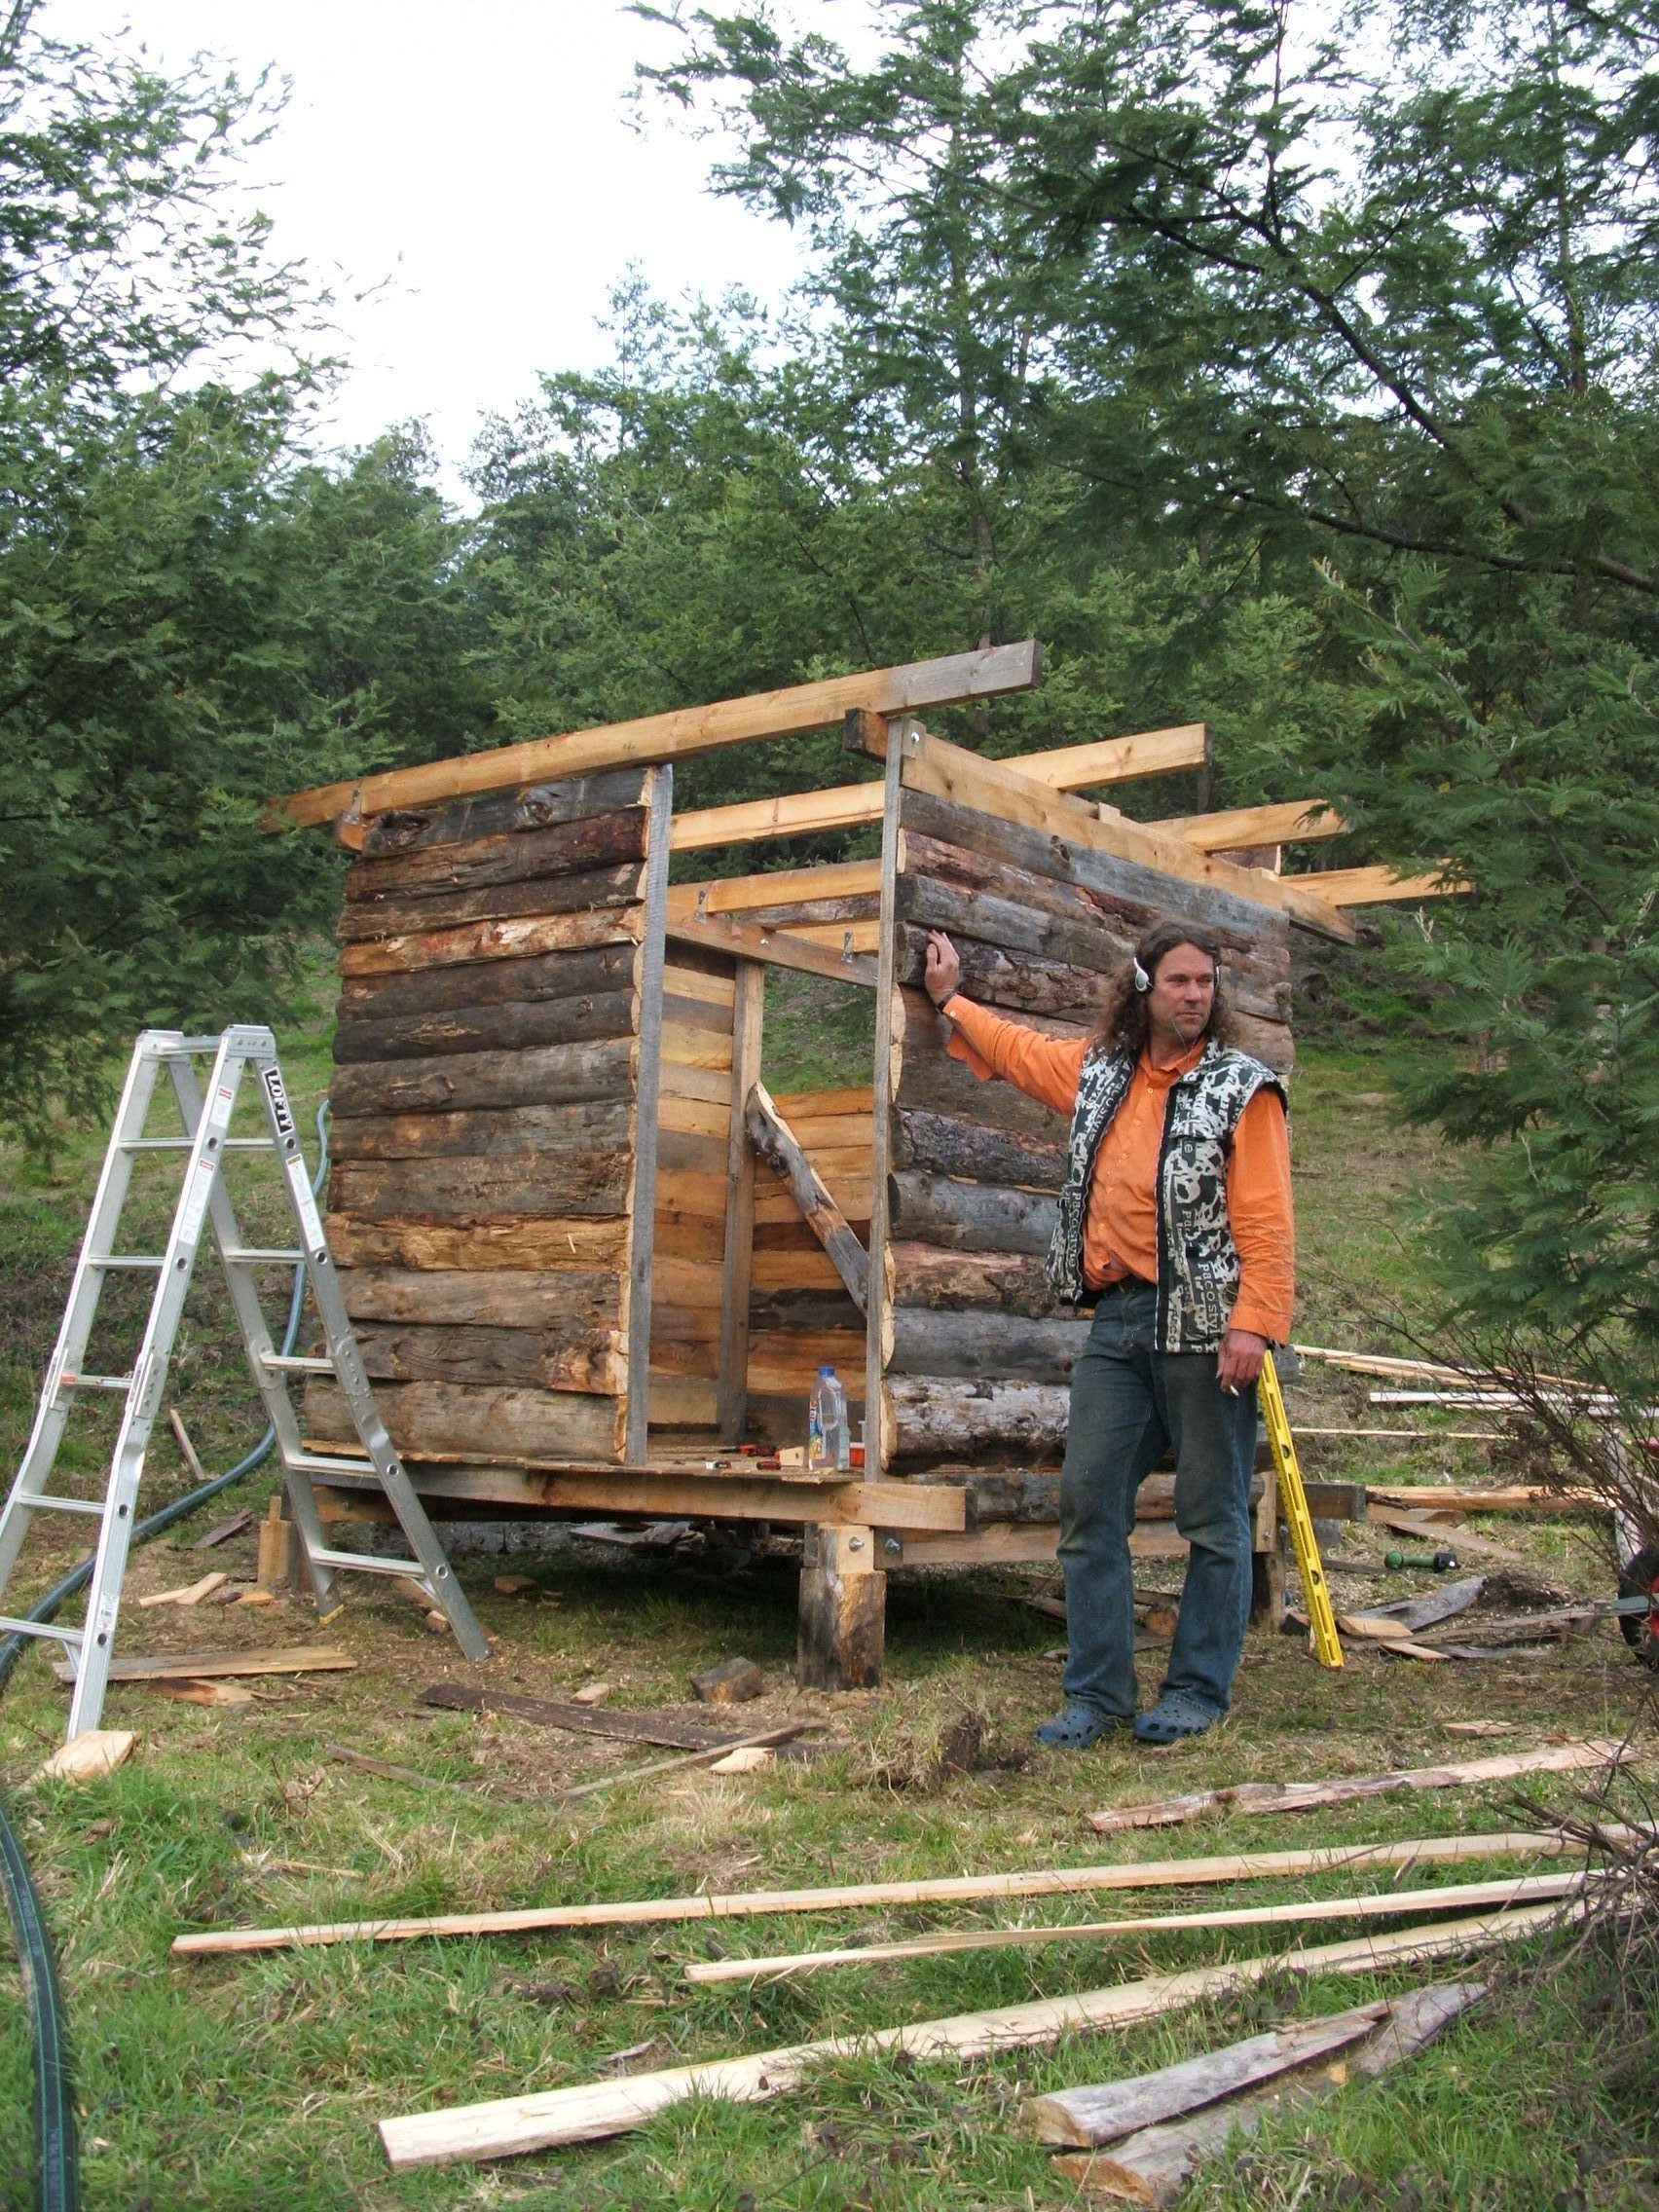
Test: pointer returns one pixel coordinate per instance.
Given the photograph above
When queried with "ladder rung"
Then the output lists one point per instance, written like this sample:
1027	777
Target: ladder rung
259	1256
38	1502
294	1363
319	1463
155	1144
127	1259
94	1381
364	1563
68	1635
248	1144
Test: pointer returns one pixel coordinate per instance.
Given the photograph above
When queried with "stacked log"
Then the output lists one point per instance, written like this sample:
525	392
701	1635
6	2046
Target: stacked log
979	1355
483	1138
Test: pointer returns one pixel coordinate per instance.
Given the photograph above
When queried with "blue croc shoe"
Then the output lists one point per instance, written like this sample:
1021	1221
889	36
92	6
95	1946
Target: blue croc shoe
1079	1726
1176	1714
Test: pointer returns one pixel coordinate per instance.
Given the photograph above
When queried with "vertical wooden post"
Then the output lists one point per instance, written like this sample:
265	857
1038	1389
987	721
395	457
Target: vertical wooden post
843	1612
748	1013
878	1442
648	1087
1266	1561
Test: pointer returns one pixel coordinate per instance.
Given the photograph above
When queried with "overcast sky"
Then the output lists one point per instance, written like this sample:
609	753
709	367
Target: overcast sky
477	165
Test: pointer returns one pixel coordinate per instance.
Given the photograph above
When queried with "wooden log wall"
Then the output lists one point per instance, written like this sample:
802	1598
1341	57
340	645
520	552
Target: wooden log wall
978	1355
694	1125
484	1139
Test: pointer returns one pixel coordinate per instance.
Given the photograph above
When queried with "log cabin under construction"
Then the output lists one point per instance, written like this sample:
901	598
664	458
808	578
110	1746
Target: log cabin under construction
588	1256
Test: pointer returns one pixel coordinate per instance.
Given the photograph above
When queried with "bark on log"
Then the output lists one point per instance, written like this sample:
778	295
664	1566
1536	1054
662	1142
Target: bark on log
582	894
1091	914
565	848
545	1360
513	1027
505	1425
488	982
584	1181
975	1344
466	1080
930	1080
1011	983
1136	891
969	1217
784	1309
574	1301
933	1416
498	1130
985	1282
536	806
492	1247
948	1144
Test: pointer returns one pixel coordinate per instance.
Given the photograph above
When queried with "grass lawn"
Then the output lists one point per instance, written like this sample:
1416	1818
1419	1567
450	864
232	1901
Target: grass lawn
255	2082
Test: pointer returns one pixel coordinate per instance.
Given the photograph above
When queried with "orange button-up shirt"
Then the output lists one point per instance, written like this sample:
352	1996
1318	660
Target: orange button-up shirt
1120	1225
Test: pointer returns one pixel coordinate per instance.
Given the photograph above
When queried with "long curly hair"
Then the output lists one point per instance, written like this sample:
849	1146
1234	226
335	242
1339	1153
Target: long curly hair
1125	1025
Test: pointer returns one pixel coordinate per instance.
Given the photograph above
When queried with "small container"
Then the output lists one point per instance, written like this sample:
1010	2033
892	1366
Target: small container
827	1445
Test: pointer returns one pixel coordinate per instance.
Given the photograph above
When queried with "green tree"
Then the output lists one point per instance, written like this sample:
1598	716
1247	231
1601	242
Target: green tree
193	618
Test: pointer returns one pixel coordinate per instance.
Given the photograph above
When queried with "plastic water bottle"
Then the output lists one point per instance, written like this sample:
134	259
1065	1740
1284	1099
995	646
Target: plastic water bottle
827	1423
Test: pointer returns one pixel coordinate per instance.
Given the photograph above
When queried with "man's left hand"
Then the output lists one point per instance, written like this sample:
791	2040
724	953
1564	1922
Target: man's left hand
1239	1362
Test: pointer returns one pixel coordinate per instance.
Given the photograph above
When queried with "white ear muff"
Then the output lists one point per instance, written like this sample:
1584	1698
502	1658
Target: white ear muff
1143	981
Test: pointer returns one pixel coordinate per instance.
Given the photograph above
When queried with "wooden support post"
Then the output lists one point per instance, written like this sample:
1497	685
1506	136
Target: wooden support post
647	1086
1267	1562
843	1612
731	1404
878	1442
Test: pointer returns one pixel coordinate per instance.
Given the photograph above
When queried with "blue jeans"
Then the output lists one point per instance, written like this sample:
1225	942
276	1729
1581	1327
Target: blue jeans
1131	1404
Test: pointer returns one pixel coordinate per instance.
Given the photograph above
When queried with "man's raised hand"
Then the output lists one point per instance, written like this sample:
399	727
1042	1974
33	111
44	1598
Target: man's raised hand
943	968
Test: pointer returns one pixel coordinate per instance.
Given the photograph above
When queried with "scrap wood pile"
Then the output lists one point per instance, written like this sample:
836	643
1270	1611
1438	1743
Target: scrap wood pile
1148	2134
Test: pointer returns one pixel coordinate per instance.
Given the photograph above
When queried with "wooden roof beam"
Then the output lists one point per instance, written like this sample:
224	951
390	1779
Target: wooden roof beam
845	806
681	735
1375	886
1230	828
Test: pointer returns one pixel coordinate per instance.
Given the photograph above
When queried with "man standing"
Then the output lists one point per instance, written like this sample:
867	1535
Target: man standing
1175	1227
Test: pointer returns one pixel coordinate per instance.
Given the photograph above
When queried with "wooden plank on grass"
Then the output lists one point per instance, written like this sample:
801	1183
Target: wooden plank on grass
680	735
194	1666
1343	1789
946	1889
506	2127
1523	1889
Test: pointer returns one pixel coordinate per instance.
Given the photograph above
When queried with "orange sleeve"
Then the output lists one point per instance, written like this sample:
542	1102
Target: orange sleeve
1044	1068
1263	1227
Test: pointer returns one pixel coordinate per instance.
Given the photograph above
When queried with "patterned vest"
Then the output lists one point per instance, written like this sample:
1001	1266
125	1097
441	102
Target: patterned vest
1198	1261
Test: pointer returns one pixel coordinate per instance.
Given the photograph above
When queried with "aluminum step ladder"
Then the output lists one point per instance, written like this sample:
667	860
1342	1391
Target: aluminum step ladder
203	1201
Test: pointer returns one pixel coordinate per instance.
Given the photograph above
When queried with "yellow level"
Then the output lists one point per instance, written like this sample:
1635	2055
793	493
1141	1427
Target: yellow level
1293	1505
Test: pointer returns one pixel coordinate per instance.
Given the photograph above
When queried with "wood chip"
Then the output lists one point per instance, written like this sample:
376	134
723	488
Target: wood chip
514	1585
95	1751
592	1693
747	1760
191	1594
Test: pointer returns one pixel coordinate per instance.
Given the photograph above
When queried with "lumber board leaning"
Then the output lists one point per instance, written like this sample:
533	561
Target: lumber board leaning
1342	1790
505	2126
774	1140
680	735
1464	1896
1153	2166
944	1889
